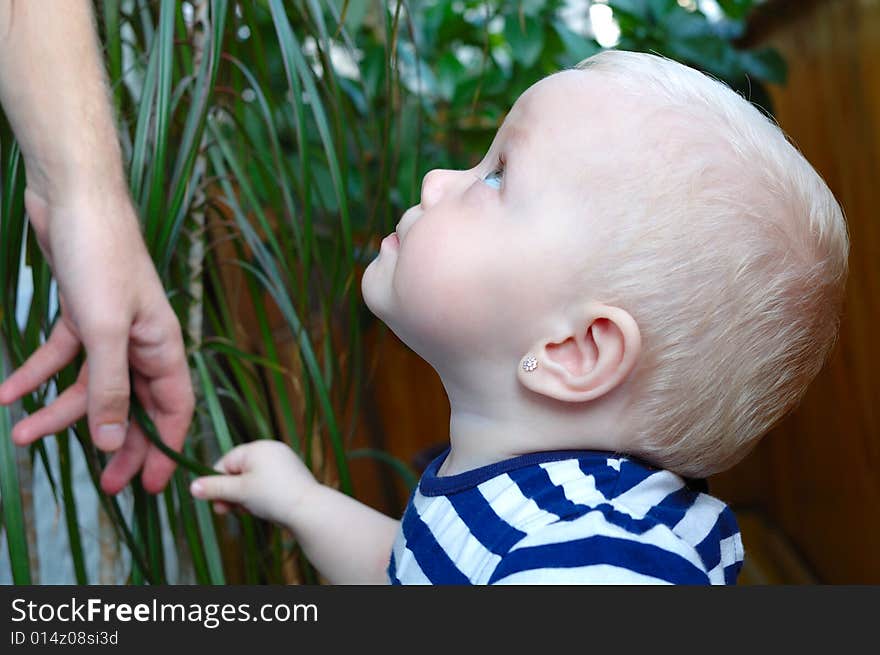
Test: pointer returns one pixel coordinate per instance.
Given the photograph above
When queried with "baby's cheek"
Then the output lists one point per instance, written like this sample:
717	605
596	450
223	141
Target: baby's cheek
440	284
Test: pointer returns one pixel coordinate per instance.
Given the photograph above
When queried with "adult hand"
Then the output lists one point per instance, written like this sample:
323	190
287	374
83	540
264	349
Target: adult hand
113	304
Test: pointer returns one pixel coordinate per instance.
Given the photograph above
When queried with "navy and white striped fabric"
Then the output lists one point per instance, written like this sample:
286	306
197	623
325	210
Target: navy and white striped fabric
564	517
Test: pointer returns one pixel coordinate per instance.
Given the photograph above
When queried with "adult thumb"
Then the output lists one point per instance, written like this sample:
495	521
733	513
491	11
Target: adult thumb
109	389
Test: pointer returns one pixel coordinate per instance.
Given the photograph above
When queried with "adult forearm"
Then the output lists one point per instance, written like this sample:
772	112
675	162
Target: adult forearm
347	541
53	90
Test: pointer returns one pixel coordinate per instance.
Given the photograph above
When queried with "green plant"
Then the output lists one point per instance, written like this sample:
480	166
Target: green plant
688	36
475	57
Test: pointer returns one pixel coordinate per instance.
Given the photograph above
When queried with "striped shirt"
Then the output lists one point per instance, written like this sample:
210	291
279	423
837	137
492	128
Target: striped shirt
564	517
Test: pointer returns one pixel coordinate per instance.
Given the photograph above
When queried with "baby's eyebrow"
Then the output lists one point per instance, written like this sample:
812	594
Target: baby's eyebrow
515	135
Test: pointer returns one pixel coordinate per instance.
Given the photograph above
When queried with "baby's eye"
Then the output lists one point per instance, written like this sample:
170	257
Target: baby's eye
493	179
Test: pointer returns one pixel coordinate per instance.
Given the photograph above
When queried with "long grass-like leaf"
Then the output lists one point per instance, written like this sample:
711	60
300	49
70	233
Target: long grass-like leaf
231	351
211	547
251	552
139	572
145	520
218	420
163	45
95	462
140	166
181	184
11	236
113	47
71	515
13	514
220	319
409	477
12	227
154	539
269	344
269	124
271	281
260	312
190	528
152	434
226	389
296	65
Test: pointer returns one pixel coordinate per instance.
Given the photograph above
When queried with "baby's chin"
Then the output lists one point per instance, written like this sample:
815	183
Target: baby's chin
377	301
369	290
376	293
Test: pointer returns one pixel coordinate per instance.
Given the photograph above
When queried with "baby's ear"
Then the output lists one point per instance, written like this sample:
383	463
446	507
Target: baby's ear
597	351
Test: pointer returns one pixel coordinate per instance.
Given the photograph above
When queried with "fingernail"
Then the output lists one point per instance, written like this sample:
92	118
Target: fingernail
111	435
196	488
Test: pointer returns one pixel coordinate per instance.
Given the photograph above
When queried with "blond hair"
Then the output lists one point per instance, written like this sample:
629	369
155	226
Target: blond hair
744	250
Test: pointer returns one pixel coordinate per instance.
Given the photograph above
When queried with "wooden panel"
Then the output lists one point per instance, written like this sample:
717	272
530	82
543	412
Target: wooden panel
404	412
817	475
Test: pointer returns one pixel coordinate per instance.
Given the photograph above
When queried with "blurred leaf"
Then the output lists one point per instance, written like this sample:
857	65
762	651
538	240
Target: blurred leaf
215	410
324	187
729	29
356	95
681	24
704	52
453	27
532	7
13	514
526	38
355	13
373	69
577	46
71	513
765	64
662	8
450	73
736	8
637	9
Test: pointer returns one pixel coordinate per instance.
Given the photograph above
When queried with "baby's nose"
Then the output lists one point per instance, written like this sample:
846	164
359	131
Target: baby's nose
435	184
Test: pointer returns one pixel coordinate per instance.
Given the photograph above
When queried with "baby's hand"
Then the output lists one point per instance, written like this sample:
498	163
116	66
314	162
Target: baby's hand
264	477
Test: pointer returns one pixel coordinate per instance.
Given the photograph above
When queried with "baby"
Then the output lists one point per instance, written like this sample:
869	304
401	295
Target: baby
637	281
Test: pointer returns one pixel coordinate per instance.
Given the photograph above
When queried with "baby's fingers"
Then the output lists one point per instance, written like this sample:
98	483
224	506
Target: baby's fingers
235	461
222	508
218	487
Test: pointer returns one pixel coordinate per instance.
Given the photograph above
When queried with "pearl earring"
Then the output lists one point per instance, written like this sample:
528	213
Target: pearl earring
530	363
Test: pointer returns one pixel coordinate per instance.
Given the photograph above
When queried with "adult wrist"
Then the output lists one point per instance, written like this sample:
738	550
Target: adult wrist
61	183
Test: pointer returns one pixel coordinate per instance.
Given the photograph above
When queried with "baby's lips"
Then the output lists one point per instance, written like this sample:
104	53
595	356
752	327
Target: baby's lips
392	240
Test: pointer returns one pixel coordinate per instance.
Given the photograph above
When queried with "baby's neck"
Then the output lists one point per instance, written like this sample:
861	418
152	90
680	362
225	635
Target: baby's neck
475	442
479	438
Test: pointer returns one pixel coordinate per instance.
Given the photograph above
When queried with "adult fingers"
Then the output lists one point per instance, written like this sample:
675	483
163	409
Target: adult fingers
126	461
173	400
64	411
58	351
108	399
